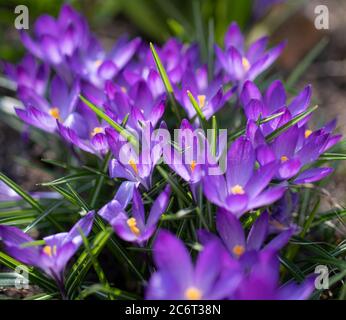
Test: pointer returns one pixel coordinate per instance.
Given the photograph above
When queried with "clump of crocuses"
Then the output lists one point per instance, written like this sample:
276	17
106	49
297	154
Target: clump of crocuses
232	191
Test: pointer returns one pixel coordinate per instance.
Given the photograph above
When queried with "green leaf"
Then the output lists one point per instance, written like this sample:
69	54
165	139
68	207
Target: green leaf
69	178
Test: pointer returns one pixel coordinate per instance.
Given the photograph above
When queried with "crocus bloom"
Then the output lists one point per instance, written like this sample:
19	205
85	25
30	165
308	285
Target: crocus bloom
29	73
178	278
44	114
51	258
138	103
293	157
233	237
129	163
240	64
209	95
83	129
191	157
135	228
243	187
273	102
261	282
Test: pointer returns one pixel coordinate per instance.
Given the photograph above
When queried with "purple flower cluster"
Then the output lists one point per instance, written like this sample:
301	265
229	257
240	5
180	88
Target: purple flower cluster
65	60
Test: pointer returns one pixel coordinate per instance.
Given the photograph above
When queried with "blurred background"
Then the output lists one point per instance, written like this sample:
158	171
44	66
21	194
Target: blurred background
312	56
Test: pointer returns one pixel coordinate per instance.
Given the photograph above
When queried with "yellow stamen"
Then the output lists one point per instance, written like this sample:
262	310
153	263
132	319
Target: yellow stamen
237	189
55	113
123	89
246	64
201	100
98	63
307	133
193	165
132	223
238	250
49	250
284	159
133	165
193	293
96	130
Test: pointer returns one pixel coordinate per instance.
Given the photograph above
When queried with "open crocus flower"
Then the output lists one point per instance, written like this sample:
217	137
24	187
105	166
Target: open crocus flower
243	187
55	40
233	237
137	227
139	103
178	278
83	129
241	65
51	258
261	282
274	101
132	164
209	95
44	114
294	154
96	66
191	156
28	73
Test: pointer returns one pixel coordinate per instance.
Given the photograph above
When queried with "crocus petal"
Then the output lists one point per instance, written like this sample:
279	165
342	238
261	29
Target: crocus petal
51	50
240	162
275	97
257	49
293	291
267	197
258	232
249	92
171	255
138	209
237	204
159	206
254	109
215	189
289	168
230	230
313	175
234	37
279	241
125	193
301	101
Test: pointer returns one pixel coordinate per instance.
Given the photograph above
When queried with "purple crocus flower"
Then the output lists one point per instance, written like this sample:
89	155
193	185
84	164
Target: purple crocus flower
209	95
233	237
137	227
294	155
138	103
130	163
178	278
191	156
51	258
243	187
274	101
261	282
83	129
28	73
44	114
240	64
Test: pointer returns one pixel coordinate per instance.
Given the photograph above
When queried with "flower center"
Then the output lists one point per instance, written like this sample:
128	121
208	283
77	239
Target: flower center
133	165
132	223
307	133
55	113
238	250
201	100
49	250
193	293
123	89
246	64
193	165
237	189
97	63
284	159
97	130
